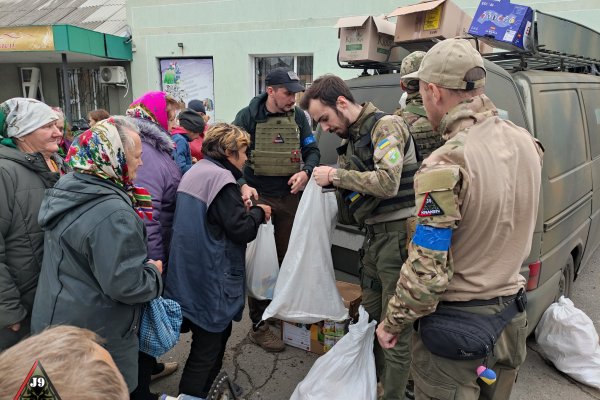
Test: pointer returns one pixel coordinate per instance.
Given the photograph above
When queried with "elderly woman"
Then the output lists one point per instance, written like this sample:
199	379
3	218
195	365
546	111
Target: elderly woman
28	166
95	273
207	263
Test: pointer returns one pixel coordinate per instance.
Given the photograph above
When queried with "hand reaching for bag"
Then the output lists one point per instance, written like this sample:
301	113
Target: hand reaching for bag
267	210
158	264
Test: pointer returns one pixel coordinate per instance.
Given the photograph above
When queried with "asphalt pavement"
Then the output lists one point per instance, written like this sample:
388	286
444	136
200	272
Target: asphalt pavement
268	376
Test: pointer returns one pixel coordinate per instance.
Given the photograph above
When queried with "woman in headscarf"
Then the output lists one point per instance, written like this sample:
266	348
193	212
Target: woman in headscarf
67	135
28	166
96	273
211	230
154	113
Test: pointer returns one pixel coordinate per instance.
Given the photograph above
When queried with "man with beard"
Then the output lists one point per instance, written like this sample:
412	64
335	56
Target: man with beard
281	139
374	189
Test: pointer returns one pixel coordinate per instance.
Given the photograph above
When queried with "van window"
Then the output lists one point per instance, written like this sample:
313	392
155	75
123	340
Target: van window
591	100
503	93
559	125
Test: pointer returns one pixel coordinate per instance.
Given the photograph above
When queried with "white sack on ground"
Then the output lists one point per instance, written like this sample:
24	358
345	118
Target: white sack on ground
262	266
305	291
567	337
347	371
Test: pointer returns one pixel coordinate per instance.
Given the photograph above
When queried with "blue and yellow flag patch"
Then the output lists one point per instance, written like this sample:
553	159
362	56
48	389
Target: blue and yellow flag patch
383	144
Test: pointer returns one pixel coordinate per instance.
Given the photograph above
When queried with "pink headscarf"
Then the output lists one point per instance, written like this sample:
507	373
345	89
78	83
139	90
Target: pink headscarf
152	106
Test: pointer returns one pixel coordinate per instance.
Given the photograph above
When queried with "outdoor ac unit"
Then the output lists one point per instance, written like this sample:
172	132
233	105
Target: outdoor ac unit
113	74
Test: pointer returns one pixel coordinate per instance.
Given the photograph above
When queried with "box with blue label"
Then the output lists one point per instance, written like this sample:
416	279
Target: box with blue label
503	24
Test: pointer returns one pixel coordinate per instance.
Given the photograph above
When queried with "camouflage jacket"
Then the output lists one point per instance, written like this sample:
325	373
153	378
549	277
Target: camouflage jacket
442	185
426	139
388	138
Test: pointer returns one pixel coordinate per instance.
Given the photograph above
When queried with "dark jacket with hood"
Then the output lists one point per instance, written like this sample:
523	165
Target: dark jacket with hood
211	230
160	176
276	186
23	179
94	273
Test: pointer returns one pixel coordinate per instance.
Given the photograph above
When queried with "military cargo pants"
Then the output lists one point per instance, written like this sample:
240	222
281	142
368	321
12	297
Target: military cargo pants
283	211
445	379
382	256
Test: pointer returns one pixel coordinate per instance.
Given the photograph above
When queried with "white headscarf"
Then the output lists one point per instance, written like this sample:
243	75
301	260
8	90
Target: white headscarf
20	116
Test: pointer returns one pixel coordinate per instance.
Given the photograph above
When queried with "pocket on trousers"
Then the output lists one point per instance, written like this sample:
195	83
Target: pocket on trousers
233	287
432	388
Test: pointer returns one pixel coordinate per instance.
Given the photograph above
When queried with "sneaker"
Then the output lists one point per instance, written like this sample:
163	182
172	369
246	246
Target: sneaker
266	339
168	369
409	392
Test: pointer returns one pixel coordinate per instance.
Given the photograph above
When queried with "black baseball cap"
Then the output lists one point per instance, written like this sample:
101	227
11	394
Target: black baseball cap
197	105
284	76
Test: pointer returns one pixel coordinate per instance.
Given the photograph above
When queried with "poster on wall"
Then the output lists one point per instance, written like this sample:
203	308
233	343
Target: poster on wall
188	79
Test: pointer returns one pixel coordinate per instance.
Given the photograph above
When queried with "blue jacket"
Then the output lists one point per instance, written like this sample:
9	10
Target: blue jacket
207	267
183	154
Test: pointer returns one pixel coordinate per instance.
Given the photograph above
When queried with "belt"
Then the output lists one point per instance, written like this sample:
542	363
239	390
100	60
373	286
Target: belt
473	303
384	227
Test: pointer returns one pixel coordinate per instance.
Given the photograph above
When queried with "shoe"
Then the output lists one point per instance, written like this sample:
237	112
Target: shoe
266	339
167	370
223	388
409	392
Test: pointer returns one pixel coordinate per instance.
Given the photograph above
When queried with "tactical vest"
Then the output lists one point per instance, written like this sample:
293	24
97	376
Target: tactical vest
354	207
426	139
276	146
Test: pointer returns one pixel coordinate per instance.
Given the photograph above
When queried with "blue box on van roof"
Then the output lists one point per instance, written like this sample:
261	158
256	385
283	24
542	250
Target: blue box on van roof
503	24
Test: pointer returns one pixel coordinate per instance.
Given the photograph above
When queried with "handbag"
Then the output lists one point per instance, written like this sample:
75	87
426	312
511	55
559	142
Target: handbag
159	326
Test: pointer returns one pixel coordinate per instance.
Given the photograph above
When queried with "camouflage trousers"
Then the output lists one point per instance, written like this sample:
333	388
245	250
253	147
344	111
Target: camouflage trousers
382	255
445	379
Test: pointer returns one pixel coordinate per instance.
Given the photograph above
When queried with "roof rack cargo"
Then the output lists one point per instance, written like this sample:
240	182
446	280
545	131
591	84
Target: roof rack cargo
559	45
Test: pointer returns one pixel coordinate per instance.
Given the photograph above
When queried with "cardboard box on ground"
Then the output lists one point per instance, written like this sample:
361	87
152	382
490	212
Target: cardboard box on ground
321	336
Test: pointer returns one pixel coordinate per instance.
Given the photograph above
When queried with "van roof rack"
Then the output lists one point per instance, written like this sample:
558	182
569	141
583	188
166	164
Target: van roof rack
554	48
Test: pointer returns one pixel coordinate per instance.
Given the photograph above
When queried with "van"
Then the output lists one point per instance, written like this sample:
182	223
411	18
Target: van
562	110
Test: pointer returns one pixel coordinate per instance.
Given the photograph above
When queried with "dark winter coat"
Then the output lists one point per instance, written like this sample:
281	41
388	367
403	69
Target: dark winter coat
94	273
160	176
211	230
23	179
183	153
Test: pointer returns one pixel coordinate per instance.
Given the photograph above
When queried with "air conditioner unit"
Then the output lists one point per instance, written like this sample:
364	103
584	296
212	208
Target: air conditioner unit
113	74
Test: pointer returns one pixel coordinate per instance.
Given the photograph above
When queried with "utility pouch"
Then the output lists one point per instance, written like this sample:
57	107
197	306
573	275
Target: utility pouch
462	335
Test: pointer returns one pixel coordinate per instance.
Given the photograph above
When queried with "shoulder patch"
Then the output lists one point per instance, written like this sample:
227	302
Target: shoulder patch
429	208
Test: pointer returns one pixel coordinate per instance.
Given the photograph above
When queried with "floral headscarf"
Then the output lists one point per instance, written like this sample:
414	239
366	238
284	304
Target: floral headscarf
20	116
100	152
151	106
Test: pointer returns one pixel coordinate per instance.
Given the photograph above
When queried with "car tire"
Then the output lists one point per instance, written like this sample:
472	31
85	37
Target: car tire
565	284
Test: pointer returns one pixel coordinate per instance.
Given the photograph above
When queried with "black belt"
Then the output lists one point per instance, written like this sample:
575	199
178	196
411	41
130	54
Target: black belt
384	227
473	303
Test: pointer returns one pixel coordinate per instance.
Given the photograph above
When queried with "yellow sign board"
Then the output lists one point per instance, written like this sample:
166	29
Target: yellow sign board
432	18
26	38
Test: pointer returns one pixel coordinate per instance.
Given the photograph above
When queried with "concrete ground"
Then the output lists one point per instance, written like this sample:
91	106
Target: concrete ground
266	376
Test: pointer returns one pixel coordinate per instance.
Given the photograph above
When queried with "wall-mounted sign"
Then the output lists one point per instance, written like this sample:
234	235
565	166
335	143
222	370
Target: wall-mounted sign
26	38
188	79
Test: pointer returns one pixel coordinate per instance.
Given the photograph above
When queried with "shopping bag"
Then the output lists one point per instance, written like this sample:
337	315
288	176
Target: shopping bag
305	291
159	326
568	339
347	371
262	266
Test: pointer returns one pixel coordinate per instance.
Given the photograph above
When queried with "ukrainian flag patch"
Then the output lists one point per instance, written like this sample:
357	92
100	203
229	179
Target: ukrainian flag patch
352	197
383	144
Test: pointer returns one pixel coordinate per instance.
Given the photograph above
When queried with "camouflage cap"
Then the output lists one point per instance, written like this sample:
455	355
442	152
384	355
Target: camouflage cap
447	63
411	63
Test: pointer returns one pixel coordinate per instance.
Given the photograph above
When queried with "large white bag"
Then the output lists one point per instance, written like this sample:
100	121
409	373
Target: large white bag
305	291
347	371
262	266
567	337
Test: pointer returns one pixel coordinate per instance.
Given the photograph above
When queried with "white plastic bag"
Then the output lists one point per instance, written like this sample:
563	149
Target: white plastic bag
347	371
305	291
567	337
262	266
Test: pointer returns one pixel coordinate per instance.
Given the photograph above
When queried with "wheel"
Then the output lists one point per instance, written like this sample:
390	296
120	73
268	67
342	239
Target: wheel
565	284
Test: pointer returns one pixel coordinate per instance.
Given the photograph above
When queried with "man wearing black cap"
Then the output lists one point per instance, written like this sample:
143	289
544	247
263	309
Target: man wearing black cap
281	141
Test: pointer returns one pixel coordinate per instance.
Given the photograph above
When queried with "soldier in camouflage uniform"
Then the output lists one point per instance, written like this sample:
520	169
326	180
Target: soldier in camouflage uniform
374	188
414	113
281	140
477	198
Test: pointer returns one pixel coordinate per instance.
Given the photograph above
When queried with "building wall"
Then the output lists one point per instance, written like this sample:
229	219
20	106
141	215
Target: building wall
234	31
118	98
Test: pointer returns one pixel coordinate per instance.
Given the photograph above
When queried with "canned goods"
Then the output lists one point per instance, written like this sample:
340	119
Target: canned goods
328	342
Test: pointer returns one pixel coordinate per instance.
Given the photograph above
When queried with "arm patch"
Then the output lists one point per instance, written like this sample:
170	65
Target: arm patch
432	238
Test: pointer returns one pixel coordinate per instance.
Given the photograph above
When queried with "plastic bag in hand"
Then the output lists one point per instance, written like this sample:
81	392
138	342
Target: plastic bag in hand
567	337
305	291
262	266
347	371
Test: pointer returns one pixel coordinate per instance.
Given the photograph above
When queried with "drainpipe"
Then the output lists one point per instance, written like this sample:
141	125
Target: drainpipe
66	87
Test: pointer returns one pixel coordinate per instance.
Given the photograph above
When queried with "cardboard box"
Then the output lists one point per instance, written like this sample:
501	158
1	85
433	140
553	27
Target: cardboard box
427	20
365	38
311	337
503	24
